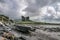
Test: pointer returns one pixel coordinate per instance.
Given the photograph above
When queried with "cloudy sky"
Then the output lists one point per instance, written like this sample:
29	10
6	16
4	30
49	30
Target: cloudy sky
37	10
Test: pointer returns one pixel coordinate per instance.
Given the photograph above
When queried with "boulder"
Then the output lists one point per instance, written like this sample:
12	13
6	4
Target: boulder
24	29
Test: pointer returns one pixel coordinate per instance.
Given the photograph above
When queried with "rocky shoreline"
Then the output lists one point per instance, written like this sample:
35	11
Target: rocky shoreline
39	33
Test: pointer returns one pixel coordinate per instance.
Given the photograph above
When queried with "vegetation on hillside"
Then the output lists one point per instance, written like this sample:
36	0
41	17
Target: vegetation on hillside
5	19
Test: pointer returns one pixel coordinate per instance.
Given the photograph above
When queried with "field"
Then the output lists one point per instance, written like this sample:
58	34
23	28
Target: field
32	22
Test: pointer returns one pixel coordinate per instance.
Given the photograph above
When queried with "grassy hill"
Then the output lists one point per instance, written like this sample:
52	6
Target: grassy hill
32	22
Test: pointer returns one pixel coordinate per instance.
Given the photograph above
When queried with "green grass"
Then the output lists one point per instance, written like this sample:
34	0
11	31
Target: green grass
31	22
24	21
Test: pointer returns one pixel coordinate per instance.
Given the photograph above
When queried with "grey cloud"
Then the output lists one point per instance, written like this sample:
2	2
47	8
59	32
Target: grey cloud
12	8
2	1
32	9
39	4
